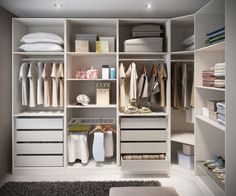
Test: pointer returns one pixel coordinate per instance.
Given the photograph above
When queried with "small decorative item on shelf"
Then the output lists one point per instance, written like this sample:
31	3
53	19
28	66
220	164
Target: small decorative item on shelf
92	73
103	93
83	99
102	46
85	42
112	73
111	42
105	71
81	46
80	74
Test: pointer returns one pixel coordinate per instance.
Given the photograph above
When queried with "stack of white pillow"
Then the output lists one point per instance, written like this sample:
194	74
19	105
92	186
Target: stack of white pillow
41	42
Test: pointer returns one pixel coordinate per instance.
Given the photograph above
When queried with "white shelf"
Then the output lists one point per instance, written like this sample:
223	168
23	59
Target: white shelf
142	53
214	47
92	106
211	88
40	113
148	114
91	54
211	122
40	53
183	53
185	137
90	80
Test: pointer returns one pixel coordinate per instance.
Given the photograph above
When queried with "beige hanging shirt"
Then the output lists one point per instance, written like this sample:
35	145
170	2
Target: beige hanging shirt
32	85
54	77
60	75
162	76
122	77
46	75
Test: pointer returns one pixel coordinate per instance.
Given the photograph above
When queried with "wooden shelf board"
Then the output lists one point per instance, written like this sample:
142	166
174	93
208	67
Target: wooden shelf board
185	137
40	53
89	80
211	122
183	53
148	114
91	54
40	113
142	53
92	106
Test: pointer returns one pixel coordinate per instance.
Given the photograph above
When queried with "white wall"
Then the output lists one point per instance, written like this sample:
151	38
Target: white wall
231	97
5	91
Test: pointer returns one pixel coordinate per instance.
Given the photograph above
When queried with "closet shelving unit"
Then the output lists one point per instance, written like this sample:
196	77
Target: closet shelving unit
31	148
182	132
210	136
83	61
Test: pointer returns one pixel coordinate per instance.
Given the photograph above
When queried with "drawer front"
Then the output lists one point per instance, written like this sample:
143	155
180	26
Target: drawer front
143	135
39	161
39	123
37	136
143	123
39	148
144	165
144	147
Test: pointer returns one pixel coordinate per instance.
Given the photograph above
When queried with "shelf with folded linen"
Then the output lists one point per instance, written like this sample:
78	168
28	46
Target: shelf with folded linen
91	140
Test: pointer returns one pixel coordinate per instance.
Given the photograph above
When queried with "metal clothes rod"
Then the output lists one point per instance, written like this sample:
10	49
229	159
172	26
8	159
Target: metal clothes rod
141	59
182	60
43	59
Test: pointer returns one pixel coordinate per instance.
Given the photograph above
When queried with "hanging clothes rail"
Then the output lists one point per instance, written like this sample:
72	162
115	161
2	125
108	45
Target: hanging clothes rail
42	59
182	60
141	59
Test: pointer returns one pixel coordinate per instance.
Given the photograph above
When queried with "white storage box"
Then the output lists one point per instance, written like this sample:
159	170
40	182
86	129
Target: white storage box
91	38
188	149
148	44
81	46
185	161
111	42
103	94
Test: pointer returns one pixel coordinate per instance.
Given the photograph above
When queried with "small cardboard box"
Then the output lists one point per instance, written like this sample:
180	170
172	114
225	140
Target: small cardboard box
211	105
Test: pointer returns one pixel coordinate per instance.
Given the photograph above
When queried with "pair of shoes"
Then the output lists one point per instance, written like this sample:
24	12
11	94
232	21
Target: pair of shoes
219	170
220	163
131	109
216	158
221	176
144	110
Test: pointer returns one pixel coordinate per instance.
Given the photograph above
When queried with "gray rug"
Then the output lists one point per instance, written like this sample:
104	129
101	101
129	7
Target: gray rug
89	188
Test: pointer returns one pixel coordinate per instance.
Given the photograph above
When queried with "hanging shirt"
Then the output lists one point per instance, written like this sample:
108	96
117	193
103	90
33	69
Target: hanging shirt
143	86
162	77
154	89
122	77
32	85
24	83
40	84
46	75
175	85
132	74
60	75
54	77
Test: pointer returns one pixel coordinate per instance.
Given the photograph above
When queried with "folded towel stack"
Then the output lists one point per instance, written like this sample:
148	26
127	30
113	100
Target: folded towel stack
220	75
215	36
221	113
208	77
188	43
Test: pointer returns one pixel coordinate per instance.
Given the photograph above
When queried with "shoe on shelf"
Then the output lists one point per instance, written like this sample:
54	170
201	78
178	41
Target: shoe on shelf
221	176
219	170
216	158
220	163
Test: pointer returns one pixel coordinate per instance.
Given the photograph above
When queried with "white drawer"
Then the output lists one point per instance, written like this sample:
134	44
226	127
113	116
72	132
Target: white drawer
143	135
143	123
39	161
39	123
39	148
143	147
144	165
37	136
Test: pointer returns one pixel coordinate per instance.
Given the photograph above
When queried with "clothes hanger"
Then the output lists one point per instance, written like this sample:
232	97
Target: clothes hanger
108	127
97	127
144	69
154	69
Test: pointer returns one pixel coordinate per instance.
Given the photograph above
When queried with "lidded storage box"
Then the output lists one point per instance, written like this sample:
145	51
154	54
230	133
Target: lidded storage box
147	30
89	38
103	93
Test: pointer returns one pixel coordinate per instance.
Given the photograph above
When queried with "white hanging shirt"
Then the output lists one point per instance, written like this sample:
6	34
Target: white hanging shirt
32	85
54	85
60	75
132	73
47	84
40	84
24	83
122	87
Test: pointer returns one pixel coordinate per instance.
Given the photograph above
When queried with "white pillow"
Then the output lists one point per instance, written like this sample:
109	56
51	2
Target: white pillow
41	47
42	37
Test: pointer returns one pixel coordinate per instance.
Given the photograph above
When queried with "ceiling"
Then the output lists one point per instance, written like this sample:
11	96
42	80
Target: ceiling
102	8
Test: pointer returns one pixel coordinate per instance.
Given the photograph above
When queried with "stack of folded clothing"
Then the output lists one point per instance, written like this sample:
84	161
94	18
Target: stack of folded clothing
215	36
211	109
220	75
208	77
41	42
221	113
